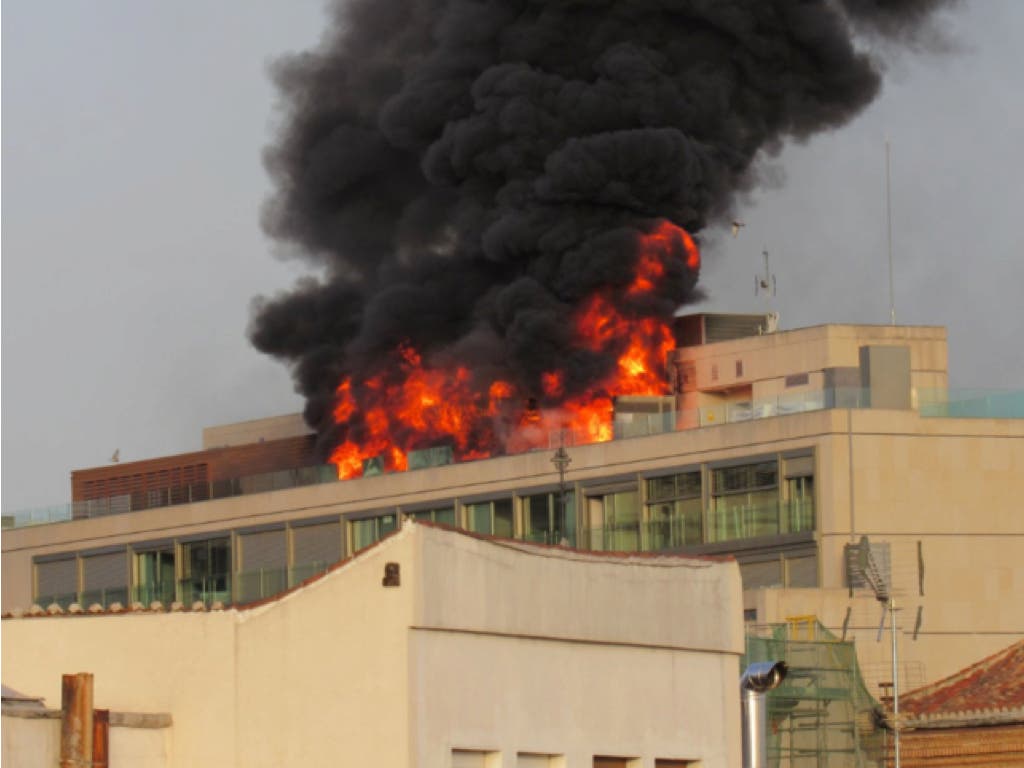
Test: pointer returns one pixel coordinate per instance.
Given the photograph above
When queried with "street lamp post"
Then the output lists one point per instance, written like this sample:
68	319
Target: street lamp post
561	460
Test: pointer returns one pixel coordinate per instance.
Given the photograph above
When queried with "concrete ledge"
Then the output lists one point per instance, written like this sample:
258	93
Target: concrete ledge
117	719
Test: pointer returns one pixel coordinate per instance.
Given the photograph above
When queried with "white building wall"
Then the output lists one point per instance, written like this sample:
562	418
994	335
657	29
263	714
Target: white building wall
510	695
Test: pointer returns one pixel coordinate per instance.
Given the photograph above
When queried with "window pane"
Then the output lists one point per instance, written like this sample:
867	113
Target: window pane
682	485
746	477
765	474
801	503
757	575
207	570
363	533
744	515
538	518
154	576
314	547
625	508
105	579
480	517
674	524
503	518
661	488
57	580
445	516
568	522
622	521
264	549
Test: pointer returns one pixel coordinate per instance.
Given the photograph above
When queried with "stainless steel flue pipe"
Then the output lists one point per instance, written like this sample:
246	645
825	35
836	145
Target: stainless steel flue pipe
755	683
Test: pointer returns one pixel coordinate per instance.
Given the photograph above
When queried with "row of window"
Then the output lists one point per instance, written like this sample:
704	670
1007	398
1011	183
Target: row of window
670	512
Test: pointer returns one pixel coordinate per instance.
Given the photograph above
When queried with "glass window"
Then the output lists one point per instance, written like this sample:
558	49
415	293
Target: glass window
263	565
544	521
443	515
673	511
800	491
154	576
674	524
57	581
614	521
207	570
744	502
105	578
491	517
371	529
757	575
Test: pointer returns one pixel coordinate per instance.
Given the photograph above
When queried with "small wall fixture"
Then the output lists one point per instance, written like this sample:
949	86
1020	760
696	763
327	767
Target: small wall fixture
392	575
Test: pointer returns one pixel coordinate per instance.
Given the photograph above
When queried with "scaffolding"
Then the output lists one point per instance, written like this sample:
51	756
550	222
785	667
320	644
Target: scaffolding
822	716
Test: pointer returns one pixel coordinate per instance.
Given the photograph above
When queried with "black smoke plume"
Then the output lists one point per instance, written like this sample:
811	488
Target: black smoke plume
464	172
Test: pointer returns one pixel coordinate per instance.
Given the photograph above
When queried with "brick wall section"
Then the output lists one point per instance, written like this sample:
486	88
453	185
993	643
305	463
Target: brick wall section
989	746
189	473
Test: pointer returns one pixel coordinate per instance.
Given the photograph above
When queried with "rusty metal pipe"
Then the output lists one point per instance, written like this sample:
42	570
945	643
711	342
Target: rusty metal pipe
76	721
100	738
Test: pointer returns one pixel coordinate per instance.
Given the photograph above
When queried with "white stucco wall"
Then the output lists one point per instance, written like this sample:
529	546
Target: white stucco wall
484	643
531	649
178	663
35	743
573	700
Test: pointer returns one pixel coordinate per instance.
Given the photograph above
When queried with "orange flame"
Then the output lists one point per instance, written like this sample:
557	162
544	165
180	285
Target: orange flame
416	405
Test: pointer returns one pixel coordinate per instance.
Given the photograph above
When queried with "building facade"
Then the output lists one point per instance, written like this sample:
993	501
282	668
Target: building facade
402	656
780	449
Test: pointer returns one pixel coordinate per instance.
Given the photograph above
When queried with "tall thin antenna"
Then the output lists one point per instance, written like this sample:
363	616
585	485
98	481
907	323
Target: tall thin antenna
888	211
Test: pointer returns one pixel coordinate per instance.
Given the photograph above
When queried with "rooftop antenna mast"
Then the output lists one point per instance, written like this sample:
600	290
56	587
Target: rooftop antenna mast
765	283
888	216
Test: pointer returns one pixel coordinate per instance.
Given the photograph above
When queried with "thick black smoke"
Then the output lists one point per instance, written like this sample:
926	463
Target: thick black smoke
465	172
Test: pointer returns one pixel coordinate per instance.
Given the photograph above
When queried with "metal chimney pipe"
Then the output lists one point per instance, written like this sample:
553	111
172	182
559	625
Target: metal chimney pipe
76	723
757	680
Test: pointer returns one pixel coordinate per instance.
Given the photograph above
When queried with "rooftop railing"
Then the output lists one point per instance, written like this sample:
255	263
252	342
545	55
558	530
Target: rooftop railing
945	403
168	497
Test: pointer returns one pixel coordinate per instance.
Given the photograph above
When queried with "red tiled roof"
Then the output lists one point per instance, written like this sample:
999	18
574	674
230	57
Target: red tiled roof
992	690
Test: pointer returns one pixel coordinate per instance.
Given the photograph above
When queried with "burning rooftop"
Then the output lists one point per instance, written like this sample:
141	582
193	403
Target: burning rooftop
504	202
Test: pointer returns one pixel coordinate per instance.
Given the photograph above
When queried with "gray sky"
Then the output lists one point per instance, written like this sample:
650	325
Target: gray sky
132	181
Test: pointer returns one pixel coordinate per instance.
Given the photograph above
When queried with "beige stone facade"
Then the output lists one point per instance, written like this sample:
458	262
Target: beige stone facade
582	655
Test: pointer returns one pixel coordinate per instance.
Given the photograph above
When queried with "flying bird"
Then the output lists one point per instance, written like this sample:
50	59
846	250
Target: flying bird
117	455
736	224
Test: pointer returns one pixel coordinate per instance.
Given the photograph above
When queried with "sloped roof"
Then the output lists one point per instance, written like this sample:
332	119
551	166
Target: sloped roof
989	692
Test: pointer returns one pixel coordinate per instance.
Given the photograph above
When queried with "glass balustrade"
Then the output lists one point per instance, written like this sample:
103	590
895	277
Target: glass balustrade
930	403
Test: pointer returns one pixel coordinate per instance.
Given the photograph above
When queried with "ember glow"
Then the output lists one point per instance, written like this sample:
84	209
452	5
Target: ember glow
408	403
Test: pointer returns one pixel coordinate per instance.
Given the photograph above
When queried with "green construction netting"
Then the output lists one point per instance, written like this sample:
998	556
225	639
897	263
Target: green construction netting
822	714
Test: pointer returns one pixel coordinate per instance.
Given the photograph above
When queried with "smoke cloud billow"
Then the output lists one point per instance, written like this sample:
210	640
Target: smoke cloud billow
464	173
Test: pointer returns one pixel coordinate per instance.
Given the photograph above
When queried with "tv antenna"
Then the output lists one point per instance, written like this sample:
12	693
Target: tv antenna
879	583
765	283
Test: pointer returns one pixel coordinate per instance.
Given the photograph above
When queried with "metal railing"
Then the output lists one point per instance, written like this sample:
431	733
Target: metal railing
931	403
723	524
167	497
